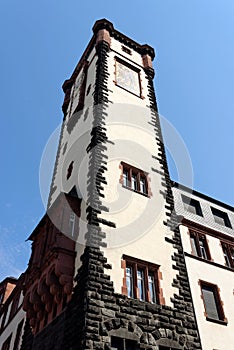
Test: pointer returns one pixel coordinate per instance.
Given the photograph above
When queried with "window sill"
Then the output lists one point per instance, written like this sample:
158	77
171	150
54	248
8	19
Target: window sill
135	191
222	322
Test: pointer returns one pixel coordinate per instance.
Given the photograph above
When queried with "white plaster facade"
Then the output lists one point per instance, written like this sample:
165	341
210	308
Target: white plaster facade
214	334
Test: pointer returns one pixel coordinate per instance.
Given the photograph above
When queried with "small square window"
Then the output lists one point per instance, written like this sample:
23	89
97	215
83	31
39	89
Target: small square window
212	302
126	50
134	179
191	205
221	217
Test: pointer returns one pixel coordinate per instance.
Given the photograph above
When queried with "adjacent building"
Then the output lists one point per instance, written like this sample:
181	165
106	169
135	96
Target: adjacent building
114	261
12	316
208	241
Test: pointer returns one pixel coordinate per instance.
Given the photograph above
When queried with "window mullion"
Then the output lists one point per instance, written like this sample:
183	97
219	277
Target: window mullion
146	277
135	288
138	181
198	245
130	178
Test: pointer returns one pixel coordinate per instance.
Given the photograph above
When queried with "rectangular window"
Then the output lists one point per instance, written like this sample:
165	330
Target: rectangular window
129	281
228	252
141	280
221	217
127	77
134	179
141	283
191	205
123	344
151	283
199	245
72	221
212	302
126	49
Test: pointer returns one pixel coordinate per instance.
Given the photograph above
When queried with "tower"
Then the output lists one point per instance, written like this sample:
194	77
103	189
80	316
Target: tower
110	221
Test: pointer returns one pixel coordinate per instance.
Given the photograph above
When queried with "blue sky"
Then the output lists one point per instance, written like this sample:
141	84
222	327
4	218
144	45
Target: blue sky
41	42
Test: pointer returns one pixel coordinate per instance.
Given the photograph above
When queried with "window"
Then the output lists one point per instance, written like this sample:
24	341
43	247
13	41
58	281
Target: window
79	90
191	205
134	179
212	302
127	77
199	245
141	280
126	50
228	252
123	344
72	222
221	217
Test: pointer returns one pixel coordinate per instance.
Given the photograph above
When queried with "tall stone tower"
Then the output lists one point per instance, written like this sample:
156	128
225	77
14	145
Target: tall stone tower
110	222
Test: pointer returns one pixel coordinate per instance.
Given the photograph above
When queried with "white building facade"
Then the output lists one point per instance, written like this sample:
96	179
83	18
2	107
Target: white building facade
208	241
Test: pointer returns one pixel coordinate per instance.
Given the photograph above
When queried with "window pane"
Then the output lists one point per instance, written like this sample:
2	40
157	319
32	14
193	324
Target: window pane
125	177
151	283
140	284
129	281
130	345
232	256
210	302
226	257
193	244
72	223
117	343
191	205
142	184
202	246
221	217
134	182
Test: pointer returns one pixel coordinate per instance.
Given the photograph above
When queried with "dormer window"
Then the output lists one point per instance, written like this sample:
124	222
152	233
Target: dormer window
220	217
191	205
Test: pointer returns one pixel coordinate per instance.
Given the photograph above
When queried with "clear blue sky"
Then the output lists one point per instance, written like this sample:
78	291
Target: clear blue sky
41	42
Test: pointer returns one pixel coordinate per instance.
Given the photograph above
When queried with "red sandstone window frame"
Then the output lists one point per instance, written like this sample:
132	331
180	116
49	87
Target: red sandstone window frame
134	179
148	269
199	245
228	252
212	288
